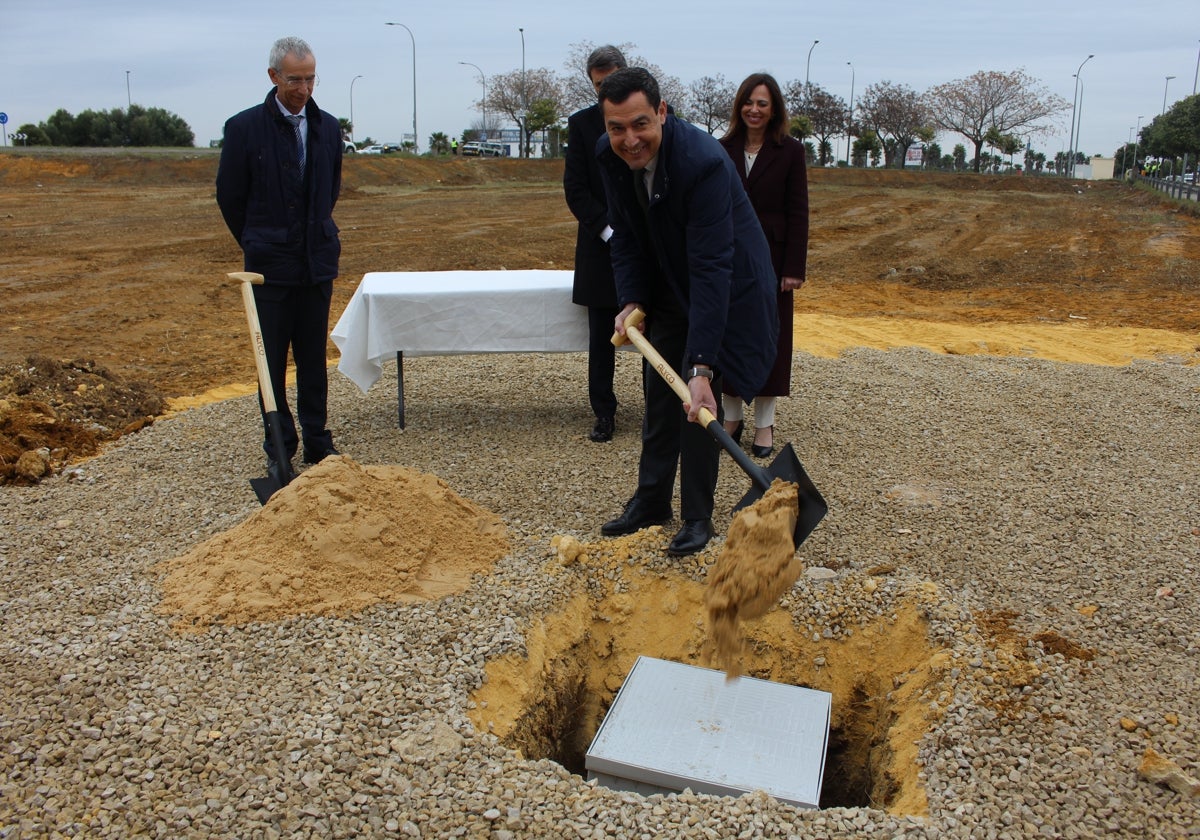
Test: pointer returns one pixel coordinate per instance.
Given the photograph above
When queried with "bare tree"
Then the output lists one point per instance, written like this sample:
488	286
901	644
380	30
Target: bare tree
793	97
1014	103
826	114
577	87
897	114
513	93
710	102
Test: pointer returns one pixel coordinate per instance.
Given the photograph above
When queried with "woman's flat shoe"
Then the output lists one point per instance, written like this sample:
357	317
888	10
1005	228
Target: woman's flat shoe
761	451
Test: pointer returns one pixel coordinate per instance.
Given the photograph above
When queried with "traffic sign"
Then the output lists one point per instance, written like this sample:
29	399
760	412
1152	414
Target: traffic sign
3	118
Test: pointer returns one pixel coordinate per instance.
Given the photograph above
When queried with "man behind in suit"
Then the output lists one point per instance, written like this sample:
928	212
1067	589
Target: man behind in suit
688	249
277	182
593	285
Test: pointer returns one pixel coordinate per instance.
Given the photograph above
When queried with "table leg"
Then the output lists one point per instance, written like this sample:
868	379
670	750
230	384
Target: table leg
400	384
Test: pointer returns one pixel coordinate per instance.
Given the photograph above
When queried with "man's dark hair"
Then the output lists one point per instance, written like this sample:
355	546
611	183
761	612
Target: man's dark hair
605	58
625	83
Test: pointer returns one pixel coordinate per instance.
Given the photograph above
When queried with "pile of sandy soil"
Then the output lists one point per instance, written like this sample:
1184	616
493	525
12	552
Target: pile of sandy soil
337	539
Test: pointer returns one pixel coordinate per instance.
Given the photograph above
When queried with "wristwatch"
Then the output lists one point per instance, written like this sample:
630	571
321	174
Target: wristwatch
698	371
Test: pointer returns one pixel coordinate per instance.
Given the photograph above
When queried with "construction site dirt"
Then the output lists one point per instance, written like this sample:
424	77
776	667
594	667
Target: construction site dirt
117	309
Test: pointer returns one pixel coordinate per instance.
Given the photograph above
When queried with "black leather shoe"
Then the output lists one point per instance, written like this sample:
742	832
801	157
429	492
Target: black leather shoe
316	456
638	514
763	451
602	432
692	537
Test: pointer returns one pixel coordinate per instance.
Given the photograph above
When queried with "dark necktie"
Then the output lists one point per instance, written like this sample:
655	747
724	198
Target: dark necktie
639	189
294	119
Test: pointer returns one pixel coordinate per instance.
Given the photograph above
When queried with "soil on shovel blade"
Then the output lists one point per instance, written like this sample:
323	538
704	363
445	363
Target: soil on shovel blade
756	566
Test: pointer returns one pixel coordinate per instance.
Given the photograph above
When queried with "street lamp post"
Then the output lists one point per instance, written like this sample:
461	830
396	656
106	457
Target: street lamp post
850	119
416	140
483	101
1195	78
128	96
1078	131
1124	149
1136	132
1074	103
1163	111
352	81
524	101
807	65
1196	75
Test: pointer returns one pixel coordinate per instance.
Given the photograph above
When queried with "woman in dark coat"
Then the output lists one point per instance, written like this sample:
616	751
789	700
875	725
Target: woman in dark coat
772	166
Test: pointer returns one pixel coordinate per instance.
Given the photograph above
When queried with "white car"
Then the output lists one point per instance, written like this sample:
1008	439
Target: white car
484	148
371	150
348	147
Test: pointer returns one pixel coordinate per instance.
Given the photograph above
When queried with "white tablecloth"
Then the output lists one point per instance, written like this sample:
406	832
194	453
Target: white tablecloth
425	313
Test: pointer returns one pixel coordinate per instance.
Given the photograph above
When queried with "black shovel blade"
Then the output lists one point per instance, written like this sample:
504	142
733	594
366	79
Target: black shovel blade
279	470
270	484
812	506
265	488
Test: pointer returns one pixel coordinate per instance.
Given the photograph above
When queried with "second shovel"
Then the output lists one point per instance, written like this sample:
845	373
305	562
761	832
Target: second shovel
279	473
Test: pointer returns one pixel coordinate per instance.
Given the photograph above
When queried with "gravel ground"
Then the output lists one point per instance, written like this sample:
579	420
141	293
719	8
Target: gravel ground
1063	498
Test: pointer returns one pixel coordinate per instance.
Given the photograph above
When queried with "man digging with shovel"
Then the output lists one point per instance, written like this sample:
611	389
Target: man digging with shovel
687	249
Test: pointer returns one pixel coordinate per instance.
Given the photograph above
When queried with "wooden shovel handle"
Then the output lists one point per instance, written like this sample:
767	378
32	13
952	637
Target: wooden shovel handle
666	371
760	476
249	279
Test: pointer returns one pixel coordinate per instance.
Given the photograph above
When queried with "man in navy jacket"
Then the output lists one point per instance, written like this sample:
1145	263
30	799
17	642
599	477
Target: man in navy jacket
689	251
593	283
277	183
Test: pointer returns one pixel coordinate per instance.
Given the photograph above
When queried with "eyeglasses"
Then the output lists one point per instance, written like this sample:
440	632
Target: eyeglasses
298	81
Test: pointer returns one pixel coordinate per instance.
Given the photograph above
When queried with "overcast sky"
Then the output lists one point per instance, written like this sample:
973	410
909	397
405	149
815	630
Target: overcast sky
206	60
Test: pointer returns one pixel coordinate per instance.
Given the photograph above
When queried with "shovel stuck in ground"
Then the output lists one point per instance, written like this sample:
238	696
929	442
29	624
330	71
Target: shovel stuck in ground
811	507
280	472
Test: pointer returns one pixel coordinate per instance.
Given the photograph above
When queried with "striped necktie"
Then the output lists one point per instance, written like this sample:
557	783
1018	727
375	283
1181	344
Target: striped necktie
294	119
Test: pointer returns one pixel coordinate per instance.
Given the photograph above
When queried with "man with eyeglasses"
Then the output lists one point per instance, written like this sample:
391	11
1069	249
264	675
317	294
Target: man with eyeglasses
277	183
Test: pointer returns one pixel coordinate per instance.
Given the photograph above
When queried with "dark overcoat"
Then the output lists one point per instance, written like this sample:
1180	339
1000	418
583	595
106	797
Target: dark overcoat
778	188
701	237
283	223
584	190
